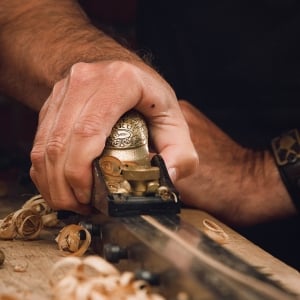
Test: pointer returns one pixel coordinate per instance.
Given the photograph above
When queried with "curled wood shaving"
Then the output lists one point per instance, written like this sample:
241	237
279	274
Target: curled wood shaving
50	220
93	278
38	204
27	222
8	227
24	222
215	232
70	239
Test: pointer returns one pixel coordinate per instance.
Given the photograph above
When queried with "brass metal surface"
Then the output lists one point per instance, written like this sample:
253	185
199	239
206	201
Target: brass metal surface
125	162
128	140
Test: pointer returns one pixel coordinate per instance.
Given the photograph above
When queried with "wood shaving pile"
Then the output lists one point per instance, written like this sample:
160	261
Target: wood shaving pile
24	223
93	278
27	222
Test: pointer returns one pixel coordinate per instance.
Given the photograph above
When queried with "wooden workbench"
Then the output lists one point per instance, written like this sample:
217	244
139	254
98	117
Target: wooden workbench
41	254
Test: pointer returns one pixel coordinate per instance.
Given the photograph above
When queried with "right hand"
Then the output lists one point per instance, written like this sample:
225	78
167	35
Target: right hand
78	116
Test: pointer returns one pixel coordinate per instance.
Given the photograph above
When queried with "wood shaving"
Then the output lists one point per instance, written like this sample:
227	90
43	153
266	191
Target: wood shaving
215	232
93	278
20	266
8	227
27	222
39	205
70	239
24	222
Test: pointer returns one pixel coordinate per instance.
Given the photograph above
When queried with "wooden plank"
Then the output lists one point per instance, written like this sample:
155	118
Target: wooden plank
41	254
249	252
38	255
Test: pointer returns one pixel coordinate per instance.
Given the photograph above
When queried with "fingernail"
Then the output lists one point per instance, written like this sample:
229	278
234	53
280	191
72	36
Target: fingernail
172	173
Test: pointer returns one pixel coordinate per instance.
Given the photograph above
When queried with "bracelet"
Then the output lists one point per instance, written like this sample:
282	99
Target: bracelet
286	151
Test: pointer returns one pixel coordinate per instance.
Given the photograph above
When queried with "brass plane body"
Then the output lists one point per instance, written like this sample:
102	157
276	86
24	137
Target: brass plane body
125	162
135	181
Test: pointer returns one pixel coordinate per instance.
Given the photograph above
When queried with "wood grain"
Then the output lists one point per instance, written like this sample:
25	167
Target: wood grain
41	254
249	252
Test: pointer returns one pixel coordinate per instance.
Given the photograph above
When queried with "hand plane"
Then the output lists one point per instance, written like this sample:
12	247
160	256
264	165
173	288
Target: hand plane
139	230
127	181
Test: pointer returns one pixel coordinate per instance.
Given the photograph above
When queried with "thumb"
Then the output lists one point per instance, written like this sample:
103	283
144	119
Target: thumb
173	142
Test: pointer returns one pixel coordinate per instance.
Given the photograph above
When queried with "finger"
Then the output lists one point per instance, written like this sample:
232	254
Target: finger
93	126
172	139
38	171
78	90
168	128
80	129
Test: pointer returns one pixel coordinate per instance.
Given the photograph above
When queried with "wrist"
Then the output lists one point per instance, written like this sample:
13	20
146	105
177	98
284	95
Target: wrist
263	195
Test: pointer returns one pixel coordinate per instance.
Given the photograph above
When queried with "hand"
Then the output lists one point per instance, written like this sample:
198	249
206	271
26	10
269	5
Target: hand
78	116
238	185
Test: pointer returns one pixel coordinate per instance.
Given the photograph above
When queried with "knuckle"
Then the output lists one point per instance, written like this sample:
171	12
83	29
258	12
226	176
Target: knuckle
88	126
79	72
79	67
55	148
122	69
37	155
112	72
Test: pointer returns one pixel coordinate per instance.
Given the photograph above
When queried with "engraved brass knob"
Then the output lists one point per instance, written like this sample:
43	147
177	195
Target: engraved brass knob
125	162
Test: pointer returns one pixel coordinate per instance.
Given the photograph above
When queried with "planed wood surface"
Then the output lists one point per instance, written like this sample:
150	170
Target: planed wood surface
41	254
249	252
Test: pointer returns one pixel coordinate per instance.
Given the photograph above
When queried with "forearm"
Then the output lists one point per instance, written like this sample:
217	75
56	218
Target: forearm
238	185
41	40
